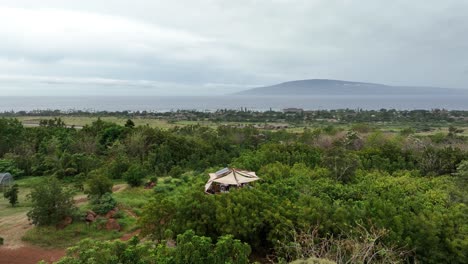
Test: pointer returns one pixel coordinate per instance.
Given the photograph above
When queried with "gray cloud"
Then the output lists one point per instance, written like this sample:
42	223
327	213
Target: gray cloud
200	47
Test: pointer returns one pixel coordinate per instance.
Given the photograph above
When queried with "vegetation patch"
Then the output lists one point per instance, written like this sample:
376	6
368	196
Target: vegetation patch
47	236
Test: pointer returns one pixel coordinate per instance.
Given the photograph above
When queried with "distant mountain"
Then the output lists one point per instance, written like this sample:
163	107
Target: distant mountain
315	87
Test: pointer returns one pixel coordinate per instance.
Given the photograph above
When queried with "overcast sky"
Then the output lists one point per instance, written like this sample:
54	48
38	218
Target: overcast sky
152	47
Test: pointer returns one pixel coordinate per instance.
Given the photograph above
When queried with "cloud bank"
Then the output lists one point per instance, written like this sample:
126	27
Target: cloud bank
215	47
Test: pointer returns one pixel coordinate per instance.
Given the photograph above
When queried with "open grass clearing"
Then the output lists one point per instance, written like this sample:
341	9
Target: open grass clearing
81	121
16	229
48	236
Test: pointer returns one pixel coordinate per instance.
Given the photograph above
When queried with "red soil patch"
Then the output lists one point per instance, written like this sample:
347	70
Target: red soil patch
29	255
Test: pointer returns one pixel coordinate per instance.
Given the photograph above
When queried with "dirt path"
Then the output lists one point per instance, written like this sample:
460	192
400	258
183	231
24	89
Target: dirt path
14	227
80	199
15	251
119	187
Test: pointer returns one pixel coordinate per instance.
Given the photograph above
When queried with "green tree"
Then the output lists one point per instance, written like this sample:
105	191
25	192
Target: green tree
12	195
134	175
453	131
103	204
193	249
342	163
157	217
10	166
230	250
461	179
117	167
190	249
98	184
51	202
129	123
11	133
439	161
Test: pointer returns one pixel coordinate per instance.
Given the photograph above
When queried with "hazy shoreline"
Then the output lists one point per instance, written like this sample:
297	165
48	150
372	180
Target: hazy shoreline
212	103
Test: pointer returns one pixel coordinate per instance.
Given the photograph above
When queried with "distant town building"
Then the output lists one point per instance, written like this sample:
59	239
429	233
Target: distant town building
293	110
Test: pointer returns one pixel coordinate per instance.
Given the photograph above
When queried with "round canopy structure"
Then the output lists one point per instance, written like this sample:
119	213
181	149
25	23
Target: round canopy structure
233	177
5	180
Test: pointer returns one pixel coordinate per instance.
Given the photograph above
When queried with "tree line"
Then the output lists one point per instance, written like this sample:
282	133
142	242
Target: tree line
328	192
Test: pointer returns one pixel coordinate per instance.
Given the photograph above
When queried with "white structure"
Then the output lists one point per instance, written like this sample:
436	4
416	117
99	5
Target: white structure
222	180
6	180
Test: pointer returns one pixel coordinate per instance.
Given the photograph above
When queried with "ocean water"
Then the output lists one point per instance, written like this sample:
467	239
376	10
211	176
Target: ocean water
212	103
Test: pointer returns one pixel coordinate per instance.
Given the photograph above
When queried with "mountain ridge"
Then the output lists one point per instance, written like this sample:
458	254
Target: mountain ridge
339	87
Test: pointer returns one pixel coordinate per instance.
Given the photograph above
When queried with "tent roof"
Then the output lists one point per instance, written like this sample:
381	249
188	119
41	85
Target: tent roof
231	177
5	177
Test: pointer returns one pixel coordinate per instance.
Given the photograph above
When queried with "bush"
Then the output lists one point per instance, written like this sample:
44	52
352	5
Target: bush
313	261
117	167
8	165
98	185
51	203
134	176
103	204
50	237
190	249
12	195
176	171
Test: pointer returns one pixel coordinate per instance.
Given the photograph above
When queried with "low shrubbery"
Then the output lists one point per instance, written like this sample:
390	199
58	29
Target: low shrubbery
49	236
51	202
189	248
12	194
333	176
102	204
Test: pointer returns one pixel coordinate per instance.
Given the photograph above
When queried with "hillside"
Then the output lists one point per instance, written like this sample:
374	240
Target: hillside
336	87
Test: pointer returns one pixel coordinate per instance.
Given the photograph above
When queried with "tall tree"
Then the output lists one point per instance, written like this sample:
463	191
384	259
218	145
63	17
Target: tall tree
51	202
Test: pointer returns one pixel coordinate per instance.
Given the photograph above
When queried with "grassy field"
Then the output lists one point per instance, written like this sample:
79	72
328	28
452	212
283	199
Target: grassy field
15	228
13	220
80	121
24	204
69	236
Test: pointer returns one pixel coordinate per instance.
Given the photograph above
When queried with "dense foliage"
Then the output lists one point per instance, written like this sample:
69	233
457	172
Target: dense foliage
404	192
246	115
98	184
12	194
190	249
102	204
51	203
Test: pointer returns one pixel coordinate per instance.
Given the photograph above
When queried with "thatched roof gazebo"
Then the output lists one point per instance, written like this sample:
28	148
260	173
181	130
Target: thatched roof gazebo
222	180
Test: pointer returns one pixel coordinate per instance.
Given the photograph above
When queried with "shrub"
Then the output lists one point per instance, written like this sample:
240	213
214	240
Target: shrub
10	166
51	203
313	261
98	185
12	195
176	171
190	249
134	176
103	204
